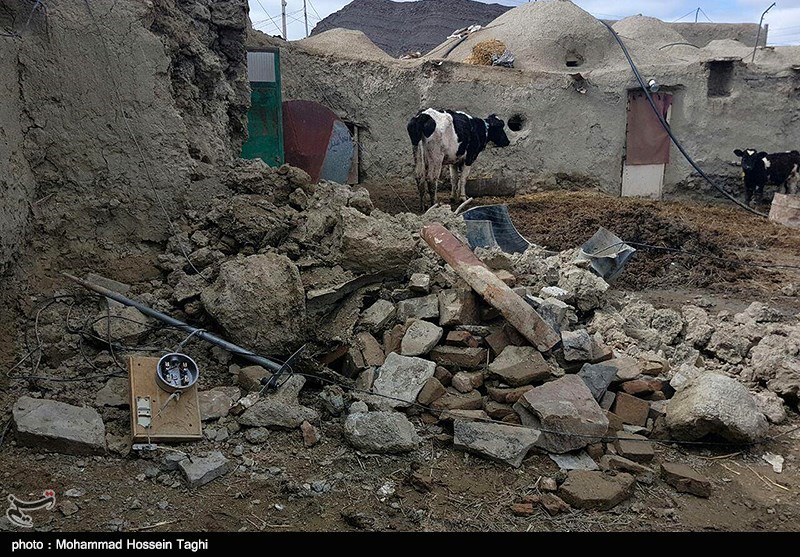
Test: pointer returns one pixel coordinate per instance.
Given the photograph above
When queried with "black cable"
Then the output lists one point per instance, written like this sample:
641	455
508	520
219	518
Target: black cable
667	128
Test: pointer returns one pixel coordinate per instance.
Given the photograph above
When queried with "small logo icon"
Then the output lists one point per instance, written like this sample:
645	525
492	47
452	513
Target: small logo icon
17	509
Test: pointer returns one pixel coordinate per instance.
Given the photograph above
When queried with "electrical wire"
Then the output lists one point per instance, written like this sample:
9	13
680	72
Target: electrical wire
667	128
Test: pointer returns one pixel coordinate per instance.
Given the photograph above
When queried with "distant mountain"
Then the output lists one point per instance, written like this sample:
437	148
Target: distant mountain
401	27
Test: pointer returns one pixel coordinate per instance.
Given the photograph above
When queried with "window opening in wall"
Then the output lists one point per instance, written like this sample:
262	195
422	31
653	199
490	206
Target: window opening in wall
720	78
516	122
573	60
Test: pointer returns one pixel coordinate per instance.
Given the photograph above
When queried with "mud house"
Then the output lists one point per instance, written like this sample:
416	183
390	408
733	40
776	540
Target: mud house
579	116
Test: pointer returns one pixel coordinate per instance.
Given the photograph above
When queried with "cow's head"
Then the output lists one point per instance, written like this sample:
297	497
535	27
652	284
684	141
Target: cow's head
751	159
496	132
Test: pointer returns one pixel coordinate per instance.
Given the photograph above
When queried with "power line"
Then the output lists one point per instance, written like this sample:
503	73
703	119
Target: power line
266	13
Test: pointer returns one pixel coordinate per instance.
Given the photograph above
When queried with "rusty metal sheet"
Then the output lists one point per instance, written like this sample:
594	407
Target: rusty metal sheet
317	141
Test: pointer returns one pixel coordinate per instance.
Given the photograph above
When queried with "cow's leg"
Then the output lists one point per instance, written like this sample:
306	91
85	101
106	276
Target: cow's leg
453	182
434	171
462	183
793	181
760	193
748	194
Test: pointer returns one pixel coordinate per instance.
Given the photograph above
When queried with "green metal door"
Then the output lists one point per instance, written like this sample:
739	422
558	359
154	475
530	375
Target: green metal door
265	118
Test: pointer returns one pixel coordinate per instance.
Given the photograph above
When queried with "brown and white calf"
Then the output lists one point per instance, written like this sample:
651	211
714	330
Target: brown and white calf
447	137
760	168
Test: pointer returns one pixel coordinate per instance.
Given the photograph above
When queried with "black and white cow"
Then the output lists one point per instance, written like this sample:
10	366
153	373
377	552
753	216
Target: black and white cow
441	137
760	168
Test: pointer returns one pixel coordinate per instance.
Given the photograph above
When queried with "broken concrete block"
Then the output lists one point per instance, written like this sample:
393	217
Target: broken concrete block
402	378
588	289
461	338
332	397
577	345
58	427
443	375
420	283
370	244
565	411
697	326
502	443
459	357
217	402
597	377
579	460
771	405
520	365
201	470
507	396
424	307
686	480
596	490
393	338
377	316
497	410
371	351
461	382
365	379
381	432
420	338
432	390
516	311
243	300
116	392
622	464
627	368
310	434
250	378
631	410
643	386
279	409
683	375
454	400
464	416
457	307
634	447
715	404
497	341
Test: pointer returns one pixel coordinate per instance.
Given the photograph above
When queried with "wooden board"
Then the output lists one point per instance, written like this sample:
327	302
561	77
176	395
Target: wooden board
178	421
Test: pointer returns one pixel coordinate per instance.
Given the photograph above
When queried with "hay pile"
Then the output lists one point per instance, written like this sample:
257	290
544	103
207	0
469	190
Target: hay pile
483	51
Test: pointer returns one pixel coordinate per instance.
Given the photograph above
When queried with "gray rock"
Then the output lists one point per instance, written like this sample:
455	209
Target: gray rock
188	288
358	407
402	377
250	378
126	322
424	307
332	397
172	460
732	342
574	461
201	470
717	404
771	405
260	302
116	392
627	368
503	443
280	409
457	307
381	432
520	365
119	444
598	377
588	289
566	412
596	490
58	427
668	323
420	282
377	316
683	375
257	435
217	402
420	338
578	345
370	245
698	327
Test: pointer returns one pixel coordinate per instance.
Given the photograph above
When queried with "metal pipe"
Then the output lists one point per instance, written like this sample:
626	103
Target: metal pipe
267	363
758	35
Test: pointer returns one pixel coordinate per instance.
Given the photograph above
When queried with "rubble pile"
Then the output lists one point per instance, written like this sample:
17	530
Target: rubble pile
591	376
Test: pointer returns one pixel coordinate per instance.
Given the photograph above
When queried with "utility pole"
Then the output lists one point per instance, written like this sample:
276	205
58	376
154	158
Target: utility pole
696	14
283	19
305	16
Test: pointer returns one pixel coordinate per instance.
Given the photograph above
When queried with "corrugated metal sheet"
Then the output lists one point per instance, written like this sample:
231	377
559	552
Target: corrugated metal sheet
261	67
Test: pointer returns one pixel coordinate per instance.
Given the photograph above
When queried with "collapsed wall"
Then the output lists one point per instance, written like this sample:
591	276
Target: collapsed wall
113	108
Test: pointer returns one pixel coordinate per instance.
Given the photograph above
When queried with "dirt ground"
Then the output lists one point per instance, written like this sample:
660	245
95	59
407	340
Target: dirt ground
283	486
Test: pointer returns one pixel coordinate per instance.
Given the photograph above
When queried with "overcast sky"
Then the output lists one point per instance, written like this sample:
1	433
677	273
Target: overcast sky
783	19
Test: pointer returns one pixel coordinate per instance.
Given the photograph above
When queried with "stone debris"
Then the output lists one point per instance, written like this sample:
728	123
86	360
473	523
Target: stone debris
642	473
279	409
579	460
520	365
503	443
631	410
457	307
310	434
199	470
378	316
424	307
598	378
116	392
685	479
566	412
380	432
554	504
402	379
217	402
58	427
420	338
634	447
715	404
420	283
456	357
594	490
